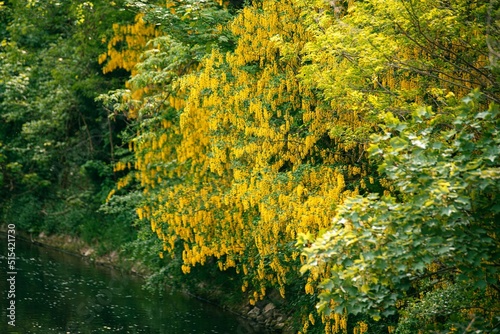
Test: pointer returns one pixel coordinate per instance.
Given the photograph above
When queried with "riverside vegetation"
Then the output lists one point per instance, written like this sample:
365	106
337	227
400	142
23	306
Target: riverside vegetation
337	159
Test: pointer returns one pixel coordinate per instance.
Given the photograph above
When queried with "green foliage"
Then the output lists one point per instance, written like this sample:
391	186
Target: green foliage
243	115
57	143
442	309
23	211
442	222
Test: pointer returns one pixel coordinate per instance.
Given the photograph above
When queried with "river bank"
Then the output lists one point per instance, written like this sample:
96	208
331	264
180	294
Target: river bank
265	313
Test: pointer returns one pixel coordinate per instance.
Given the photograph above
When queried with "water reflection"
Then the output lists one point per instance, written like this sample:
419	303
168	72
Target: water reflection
60	293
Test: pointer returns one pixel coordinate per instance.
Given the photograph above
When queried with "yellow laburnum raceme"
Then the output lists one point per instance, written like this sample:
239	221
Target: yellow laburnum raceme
134	36
124	51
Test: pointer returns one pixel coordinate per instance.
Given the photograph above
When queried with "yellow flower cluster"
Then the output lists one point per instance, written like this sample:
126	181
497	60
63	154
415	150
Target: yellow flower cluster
253	159
361	328
135	36
257	162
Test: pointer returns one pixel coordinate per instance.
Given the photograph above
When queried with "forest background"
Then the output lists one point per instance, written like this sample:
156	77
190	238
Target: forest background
338	158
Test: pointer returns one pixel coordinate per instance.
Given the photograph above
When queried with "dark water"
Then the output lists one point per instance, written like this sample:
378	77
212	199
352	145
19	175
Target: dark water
61	293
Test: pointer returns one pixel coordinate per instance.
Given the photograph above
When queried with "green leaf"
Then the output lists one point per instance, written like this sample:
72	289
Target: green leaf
482	115
480	284
419	266
398	143
327	284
